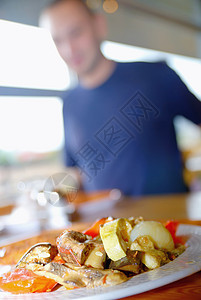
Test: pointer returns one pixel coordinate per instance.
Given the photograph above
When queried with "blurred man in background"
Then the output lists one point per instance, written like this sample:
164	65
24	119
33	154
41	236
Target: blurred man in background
118	120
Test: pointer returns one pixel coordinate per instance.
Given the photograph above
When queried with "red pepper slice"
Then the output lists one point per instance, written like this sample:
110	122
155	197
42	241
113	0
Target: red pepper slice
172	227
94	230
21	281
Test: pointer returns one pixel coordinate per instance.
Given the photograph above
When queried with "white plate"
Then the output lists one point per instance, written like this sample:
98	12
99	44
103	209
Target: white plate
186	264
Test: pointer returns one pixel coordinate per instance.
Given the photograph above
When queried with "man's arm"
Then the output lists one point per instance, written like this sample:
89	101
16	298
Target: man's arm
182	101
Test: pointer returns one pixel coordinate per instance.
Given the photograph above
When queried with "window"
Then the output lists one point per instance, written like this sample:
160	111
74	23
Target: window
33	73
32	77
31	124
29	58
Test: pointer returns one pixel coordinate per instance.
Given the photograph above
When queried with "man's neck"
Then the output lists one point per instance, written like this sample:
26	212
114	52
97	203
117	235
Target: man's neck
98	75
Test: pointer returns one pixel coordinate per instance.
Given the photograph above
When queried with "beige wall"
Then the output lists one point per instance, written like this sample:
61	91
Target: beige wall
143	29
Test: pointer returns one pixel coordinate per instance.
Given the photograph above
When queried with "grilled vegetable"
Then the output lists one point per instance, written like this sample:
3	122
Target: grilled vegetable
74	247
142	243
153	259
172	228
134	221
40	254
22	281
97	257
129	263
94	230
115	235
176	252
58	259
150	257
160	236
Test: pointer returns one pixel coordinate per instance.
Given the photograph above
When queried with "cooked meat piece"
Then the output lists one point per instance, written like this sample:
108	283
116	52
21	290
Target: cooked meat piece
14	251
82	277
130	263
59	273
74	247
42	254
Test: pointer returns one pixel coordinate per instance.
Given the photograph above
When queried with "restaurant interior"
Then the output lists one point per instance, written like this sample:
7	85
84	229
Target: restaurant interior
37	192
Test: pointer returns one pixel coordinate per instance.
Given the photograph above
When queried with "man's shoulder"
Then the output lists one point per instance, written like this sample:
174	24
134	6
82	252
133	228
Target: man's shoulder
70	95
143	71
71	92
142	65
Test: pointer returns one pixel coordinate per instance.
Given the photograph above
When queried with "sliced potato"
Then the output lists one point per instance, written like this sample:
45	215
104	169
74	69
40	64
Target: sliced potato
160	236
154	259
97	257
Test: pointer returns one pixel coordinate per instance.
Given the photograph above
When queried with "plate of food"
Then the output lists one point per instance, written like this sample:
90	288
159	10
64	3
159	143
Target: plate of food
114	258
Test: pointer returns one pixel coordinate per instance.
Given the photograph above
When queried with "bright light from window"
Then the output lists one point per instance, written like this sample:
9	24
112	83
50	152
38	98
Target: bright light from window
189	69
29	58
31	124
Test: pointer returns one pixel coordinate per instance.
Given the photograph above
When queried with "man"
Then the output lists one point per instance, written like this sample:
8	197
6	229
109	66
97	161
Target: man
119	119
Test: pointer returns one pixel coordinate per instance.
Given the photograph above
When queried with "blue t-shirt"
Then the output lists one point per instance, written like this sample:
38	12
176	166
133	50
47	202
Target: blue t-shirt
121	134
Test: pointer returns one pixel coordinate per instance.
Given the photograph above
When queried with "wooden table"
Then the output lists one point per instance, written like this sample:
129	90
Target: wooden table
186	208
181	206
185	289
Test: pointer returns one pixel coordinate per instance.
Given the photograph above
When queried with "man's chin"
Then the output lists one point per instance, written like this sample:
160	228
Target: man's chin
83	69
77	68
81	72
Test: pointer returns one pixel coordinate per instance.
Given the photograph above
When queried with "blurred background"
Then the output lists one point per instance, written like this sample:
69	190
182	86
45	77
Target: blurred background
33	77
